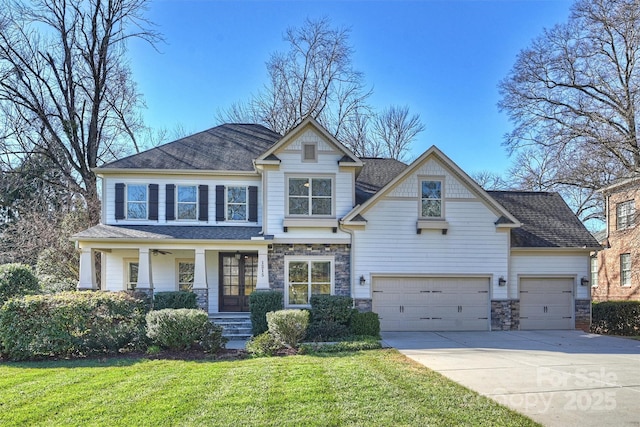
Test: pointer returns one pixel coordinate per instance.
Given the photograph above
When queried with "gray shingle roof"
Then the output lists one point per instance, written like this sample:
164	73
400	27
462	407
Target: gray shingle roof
169	232
228	147
375	174
547	221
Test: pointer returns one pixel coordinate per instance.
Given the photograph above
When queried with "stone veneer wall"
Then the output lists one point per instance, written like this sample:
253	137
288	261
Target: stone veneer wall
342	263
583	314
363	304
505	315
202	298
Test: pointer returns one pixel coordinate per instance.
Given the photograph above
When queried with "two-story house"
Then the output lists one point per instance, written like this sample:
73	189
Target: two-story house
615	273
237	209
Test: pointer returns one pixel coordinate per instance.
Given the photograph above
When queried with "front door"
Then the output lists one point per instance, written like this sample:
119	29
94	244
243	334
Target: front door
238	276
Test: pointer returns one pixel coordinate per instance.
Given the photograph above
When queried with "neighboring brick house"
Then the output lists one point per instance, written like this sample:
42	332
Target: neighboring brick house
615	273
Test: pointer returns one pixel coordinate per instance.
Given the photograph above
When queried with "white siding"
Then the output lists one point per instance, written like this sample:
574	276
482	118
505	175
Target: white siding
292	164
548	264
390	245
109	191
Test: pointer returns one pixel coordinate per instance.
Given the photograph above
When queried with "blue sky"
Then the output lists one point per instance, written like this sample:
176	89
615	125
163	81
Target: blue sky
442	58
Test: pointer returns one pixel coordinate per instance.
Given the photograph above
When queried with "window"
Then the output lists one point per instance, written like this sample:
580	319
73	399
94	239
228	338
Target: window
236	203
306	278
625	270
131	274
431	198
186	270
625	214
187	206
594	271
136	201
310	196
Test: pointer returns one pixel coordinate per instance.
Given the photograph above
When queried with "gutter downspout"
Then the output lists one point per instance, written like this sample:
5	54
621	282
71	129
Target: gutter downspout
351	269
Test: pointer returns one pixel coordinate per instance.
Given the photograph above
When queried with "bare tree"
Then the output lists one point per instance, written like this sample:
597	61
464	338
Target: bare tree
66	90
396	130
574	92
490	180
315	78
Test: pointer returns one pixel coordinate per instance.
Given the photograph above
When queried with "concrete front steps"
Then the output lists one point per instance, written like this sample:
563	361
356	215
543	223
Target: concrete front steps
235	326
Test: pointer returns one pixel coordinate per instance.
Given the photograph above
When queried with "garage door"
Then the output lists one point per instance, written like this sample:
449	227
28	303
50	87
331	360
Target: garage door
431	304
546	303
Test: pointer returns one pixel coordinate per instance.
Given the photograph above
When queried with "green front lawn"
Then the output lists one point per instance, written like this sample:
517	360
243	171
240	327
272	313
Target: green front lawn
379	387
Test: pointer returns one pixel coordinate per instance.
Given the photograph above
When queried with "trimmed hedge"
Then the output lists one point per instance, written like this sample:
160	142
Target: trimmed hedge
330	317
17	280
616	318
365	324
180	329
178	299
263	345
261	303
71	324
288	326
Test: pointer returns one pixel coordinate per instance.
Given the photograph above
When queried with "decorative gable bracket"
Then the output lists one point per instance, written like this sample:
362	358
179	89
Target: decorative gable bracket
432	225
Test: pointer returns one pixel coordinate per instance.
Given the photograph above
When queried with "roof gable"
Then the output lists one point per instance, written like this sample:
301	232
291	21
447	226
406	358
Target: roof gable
309	123
434	153
228	147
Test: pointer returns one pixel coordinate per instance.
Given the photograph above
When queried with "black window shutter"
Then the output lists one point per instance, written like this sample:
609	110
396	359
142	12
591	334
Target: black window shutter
203	202
220	203
253	204
119	201
170	202
153	202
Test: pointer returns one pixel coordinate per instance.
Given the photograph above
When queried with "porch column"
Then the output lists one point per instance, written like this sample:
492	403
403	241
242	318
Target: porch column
145	281
87	276
200	286
263	270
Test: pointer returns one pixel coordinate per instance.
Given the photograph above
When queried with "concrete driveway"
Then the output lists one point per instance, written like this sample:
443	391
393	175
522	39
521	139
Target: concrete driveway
558	378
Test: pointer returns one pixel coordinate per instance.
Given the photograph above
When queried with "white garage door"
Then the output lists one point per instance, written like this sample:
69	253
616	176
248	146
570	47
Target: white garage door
432	304
546	303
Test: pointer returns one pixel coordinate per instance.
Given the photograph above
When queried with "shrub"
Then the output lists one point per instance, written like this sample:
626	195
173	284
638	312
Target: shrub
179	299
263	345
53	285
288	326
365	324
616	318
260	304
180	329
360	343
17	280
330	316
70	324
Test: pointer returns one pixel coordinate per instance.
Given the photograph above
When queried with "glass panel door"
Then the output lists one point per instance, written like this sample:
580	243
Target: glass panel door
238	277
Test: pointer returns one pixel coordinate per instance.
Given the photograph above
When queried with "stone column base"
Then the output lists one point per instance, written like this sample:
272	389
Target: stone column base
583	314
363	304
202	298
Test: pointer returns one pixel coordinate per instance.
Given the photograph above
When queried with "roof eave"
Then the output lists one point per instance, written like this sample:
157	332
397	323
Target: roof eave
147	171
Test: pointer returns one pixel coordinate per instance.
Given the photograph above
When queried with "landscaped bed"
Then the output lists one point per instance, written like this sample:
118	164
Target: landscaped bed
377	387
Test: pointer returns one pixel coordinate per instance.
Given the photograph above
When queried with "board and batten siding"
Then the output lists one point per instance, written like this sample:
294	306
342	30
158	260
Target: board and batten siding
390	245
558	264
109	183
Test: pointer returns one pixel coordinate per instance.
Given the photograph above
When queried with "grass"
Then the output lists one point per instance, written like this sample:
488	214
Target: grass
367	388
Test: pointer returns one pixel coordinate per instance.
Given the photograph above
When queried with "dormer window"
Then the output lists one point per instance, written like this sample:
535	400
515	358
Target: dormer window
431	199
309	153
310	196
625	214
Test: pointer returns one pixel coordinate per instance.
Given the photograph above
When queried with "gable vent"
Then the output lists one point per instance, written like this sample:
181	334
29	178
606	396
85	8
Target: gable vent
309	152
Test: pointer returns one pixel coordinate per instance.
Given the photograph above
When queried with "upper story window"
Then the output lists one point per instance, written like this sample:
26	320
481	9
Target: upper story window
431	199
237	207
187	202
625	214
310	196
136	201
625	270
